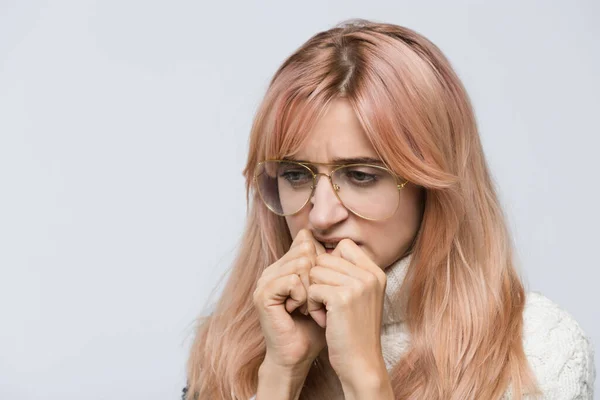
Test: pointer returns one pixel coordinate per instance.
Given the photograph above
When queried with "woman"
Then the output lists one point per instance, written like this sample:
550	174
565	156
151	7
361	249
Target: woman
376	262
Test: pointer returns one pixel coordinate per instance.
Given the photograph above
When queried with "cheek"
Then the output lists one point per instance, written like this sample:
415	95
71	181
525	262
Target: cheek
295	223
386	245
390	240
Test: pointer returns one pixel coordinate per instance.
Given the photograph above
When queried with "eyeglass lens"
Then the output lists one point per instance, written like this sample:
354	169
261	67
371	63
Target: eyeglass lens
368	191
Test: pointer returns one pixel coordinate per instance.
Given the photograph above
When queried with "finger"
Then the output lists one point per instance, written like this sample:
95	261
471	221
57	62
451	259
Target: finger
319	247
319	316
305	235
306	248
305	239
297	299
291	254
301	263
318	297
327	276
340	265
304	244
317	250
350	251
279	290
297	260
299	266
320	275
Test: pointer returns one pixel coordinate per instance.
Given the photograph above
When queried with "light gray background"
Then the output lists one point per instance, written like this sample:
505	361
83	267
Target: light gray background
123	133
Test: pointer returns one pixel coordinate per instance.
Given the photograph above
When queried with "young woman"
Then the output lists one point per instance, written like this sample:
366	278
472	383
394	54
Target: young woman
376	262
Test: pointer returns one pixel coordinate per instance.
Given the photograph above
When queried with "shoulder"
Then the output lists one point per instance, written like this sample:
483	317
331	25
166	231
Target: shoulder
560	353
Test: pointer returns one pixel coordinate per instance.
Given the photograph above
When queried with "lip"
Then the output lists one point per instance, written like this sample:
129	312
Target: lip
334	240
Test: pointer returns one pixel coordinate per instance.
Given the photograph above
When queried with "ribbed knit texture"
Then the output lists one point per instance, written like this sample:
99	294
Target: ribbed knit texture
558	351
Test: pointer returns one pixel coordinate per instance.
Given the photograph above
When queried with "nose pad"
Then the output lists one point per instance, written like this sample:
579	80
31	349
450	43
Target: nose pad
334	188
325	202
327	209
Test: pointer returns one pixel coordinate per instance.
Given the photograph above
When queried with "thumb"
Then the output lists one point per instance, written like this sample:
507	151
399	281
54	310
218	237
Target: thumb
320	317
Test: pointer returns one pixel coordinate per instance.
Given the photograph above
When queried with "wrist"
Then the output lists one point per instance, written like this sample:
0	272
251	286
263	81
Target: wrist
300	368
280	382
368	384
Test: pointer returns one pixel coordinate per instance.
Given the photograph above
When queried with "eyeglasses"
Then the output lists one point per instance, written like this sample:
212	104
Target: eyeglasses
369	191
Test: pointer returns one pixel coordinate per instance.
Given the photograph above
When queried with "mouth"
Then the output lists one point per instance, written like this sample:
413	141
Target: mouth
330	245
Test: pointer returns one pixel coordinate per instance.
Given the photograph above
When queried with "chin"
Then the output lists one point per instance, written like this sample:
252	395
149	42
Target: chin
369	254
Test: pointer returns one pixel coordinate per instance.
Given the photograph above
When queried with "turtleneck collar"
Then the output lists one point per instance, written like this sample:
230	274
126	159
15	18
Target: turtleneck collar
394	313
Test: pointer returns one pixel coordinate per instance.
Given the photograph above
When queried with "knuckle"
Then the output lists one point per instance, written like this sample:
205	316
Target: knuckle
345	298
293	280
372	280
307	247
359	288
304	263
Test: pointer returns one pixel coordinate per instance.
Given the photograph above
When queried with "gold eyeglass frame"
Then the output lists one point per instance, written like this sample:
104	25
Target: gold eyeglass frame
400	185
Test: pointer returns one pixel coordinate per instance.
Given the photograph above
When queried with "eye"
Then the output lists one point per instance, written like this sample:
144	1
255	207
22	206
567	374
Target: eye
359	177
296	176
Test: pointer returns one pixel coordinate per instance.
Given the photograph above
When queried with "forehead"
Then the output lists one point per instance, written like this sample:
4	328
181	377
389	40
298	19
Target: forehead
337	134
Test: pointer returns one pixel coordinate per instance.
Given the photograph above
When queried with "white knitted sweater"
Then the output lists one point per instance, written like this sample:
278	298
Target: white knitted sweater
558	351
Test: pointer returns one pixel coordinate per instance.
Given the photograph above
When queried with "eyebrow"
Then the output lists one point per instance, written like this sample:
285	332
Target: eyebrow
344	161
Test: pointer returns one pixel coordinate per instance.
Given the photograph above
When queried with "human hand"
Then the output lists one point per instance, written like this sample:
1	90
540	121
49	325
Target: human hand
351	287
293	340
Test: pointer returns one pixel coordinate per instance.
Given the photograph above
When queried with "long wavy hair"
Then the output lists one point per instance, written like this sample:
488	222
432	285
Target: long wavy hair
465	298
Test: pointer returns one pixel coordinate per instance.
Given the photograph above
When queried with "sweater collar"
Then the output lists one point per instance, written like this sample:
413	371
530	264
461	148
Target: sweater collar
394	313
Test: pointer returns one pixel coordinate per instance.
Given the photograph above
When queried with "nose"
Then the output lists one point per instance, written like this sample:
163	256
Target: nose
326	210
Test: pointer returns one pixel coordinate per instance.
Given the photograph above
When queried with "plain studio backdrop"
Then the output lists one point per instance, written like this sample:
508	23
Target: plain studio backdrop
123	133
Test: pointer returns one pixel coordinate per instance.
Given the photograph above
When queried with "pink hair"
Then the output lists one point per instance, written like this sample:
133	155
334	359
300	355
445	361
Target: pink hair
466	299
